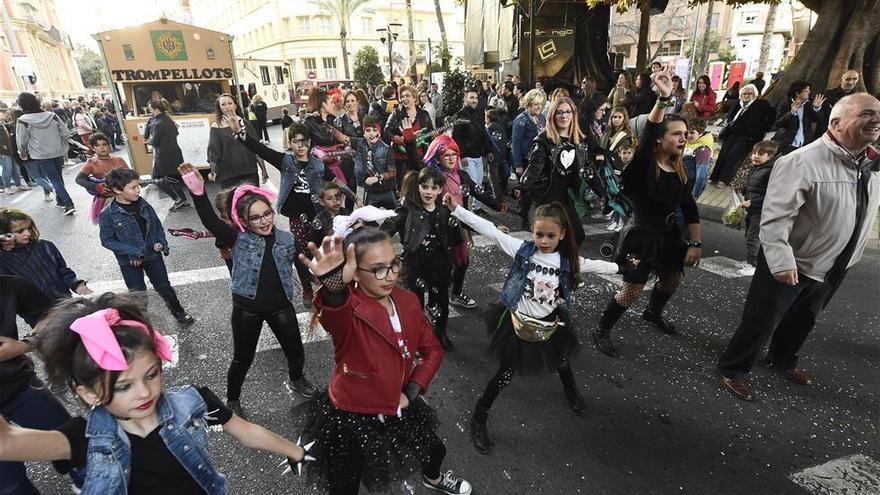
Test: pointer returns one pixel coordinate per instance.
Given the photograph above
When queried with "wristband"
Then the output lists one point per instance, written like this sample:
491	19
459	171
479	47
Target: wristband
664	98
195	186
332	280
695	244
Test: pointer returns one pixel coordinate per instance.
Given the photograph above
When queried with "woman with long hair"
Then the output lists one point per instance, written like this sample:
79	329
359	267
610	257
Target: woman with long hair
620	92
231	162
258	106
618	134
401	131
326	134
166	153
559	161
679	95
642	98
704	98
656	183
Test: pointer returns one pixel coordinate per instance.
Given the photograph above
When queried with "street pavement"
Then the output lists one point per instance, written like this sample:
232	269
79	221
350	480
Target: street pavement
658	420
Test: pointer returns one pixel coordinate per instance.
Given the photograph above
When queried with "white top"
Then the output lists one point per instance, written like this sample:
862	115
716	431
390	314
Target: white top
541	295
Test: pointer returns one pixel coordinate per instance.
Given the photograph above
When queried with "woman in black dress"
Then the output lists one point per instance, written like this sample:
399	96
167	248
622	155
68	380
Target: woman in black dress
656	182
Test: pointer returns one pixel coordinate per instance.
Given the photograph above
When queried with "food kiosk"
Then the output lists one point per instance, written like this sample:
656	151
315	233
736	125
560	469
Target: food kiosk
186	65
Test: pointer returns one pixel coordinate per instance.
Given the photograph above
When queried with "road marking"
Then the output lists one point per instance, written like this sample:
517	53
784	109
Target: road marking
722	265
854	474
175	350
269	342
177	279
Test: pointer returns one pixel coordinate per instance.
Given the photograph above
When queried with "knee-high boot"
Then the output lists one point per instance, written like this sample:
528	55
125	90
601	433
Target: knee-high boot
602	335
570	388
654	312
479	429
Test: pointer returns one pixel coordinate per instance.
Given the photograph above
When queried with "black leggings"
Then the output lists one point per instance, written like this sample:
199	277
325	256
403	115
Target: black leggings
344	481
438	295
246	329
174	190
458	273
504	376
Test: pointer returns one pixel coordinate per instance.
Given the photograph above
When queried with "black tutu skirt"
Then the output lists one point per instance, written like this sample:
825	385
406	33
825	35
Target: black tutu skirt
362	446
529	358
659	251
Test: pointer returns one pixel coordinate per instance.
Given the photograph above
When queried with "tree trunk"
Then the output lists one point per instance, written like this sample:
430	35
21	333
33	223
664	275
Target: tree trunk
644	32
846	35
769	26
444	43
343	37
412	43
707	35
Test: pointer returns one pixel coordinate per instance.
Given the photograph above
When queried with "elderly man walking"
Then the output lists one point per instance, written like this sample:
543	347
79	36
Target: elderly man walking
820	204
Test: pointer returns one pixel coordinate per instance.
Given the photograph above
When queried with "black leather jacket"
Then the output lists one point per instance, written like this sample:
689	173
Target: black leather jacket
471	137
544	173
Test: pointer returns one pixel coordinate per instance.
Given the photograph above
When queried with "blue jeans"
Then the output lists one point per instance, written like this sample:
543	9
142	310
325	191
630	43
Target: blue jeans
51	169
38	409
9	171
697	174
474	168
37	176
158	274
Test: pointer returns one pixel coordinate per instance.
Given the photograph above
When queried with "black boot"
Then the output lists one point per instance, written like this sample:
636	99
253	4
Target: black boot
179	313
654	311
442	336
571	392
479	431
602	335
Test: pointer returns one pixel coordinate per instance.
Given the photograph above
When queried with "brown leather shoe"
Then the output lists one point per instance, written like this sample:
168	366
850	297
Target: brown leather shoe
740	388
798	376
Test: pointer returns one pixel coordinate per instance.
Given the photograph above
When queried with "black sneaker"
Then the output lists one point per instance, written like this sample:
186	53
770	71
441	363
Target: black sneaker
183	317
69	210
304	387
235	405
462	301
448	483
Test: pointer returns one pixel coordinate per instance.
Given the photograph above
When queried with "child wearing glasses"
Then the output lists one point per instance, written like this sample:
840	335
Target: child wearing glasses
262	280
428	238
372	426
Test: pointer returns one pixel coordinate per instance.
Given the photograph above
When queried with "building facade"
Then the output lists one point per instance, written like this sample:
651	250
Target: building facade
35	54
308	38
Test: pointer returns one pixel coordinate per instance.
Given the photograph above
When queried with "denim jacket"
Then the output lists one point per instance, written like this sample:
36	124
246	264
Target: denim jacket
515	283
120	233
247	256
376	164
182	427
290	169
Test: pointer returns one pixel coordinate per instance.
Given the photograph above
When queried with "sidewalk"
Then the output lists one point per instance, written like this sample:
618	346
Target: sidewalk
714	201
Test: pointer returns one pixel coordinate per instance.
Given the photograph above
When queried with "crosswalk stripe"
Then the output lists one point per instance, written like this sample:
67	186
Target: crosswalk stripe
853	474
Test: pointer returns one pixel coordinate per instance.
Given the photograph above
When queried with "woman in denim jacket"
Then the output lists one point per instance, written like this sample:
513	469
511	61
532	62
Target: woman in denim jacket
532	330
262	280
137	437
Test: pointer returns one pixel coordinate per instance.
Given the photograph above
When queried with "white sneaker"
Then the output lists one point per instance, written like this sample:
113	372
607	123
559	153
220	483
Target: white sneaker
513	176
24	187
746	271
448	484
47	197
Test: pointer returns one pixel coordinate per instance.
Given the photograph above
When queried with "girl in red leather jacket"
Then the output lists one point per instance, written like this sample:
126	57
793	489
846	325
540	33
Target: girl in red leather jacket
373	426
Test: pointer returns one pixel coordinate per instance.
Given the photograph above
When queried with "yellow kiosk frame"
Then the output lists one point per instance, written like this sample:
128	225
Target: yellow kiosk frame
186	65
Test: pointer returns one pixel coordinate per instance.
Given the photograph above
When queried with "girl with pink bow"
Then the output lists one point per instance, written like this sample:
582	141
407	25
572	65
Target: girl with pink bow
106	352
262	280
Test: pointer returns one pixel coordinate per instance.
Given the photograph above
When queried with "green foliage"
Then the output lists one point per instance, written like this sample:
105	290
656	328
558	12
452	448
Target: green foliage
453	90
366	67
91	66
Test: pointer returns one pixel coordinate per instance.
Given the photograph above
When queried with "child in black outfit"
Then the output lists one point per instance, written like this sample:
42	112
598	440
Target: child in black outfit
428	240
762	158
330	200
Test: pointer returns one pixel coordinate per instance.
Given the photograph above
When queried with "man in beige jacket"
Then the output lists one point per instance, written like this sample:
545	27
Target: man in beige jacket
820	205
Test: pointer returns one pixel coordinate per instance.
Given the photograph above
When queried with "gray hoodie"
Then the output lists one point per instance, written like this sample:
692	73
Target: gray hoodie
41	136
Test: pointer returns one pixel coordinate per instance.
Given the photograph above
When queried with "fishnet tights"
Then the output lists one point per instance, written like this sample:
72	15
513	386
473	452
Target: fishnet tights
630	292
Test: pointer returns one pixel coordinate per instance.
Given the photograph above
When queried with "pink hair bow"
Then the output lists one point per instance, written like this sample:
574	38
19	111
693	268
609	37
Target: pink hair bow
101	344
241	191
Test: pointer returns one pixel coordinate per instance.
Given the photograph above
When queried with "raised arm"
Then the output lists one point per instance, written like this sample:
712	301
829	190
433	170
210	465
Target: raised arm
509	244
221	230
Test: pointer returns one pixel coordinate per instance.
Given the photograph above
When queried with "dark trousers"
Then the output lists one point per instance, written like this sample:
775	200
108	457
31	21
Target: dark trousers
504	375
262	129
252	179
458	273
438	296
753	243
381	199
33	407
785	313
246	329
157	273
733	151
344	470
175	191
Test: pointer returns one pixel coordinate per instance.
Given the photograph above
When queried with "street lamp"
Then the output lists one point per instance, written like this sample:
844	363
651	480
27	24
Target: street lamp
388	35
